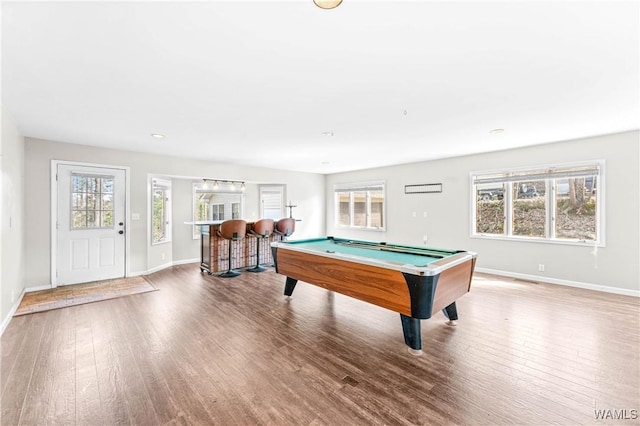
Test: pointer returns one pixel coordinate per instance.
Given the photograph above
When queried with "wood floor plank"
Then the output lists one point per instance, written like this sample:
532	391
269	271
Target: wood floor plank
62	404
88	405
13	340
38	396
207	350
23	361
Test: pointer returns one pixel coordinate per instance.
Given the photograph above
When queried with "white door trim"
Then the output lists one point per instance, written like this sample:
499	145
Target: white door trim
54	213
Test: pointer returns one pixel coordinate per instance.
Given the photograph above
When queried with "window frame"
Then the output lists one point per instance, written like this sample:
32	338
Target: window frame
351	188
541	172
165	185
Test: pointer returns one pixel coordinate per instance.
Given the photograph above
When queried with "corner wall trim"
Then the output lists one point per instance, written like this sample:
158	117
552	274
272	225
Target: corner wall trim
568	283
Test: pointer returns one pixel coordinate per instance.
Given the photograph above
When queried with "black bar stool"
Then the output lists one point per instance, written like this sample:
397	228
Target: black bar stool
261	230
232	230
285	227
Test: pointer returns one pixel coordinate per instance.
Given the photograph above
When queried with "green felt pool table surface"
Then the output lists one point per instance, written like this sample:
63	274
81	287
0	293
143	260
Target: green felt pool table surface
409	255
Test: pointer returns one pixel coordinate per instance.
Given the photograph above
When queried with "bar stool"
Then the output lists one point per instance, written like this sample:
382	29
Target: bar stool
285	227
232	230
261	230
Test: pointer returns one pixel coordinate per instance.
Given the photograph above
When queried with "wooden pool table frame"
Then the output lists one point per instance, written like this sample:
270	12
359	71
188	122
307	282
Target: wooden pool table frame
414	292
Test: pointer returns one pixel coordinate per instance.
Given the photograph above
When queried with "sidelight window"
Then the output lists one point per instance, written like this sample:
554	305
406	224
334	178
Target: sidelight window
160	211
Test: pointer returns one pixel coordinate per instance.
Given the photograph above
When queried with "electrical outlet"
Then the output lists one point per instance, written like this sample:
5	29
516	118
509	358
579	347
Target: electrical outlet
162	256
424	214
541	267
424	239
414	214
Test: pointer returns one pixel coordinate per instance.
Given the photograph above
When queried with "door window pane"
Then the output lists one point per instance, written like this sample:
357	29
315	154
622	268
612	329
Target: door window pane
107	202
79	219
90	207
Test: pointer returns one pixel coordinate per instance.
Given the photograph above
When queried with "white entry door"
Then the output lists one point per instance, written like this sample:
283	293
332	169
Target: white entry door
90	224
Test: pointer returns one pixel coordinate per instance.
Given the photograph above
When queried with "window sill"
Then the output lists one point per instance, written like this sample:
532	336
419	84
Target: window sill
540	240
360	228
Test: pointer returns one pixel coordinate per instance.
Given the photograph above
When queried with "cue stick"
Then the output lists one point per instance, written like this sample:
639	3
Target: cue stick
384	245
373	246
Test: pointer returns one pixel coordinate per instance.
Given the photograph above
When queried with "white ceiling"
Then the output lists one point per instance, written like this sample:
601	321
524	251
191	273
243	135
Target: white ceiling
257	83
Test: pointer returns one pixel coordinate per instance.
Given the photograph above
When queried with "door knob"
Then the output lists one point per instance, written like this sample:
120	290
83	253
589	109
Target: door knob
121	232
121	223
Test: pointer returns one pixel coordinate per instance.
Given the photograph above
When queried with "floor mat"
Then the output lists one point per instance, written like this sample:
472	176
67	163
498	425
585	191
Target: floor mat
78	294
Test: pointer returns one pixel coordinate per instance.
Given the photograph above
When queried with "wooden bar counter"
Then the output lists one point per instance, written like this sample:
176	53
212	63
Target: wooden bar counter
214	250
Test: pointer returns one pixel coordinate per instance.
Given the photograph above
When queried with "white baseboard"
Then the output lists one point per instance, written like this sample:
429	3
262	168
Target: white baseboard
38	288
159	268
568	283
186	261
7	319
168	265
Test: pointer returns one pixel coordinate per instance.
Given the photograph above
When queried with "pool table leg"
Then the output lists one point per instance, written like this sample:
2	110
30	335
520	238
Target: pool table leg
451	312
289	286
412	336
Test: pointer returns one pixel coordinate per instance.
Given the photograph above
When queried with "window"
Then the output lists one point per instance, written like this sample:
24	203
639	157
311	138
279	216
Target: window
219	202
160	211
91	201
217	212
360	205
235	210
560	203
272	201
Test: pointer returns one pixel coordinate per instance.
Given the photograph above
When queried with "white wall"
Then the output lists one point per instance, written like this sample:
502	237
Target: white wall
306	189
12	264
448	214
184	246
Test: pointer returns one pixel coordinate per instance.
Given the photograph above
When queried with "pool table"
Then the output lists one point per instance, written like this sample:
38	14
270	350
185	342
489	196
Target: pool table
416	282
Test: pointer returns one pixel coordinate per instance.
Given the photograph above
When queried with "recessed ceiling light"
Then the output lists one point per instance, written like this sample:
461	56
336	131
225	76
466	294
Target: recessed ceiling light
324	163
327	134
496	131
157	135
327	4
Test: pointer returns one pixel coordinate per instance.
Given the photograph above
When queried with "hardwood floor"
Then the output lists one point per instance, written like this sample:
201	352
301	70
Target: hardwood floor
205	350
